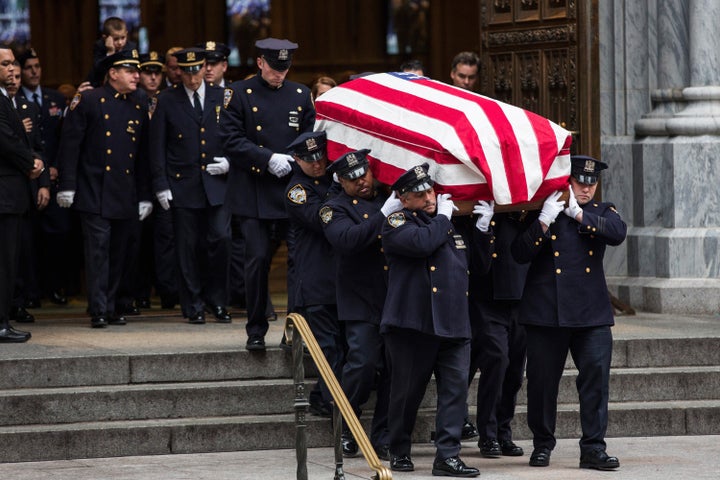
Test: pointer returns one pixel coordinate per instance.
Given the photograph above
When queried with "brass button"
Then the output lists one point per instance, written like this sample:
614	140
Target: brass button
248	90
203	155
355	202
590	253
594	229
299	107
107	134
434	289
179	135
557	271
177	175
365	215
202	168
317	182
127	171
258	128
202	129
109	152
492	222
107	168
537	244
587	270
133	139
386	268
553	237
432	268
130	155
494	255
557	254
379	237
102	100
107	116
382	250
254	109
202	142
589	227
299	90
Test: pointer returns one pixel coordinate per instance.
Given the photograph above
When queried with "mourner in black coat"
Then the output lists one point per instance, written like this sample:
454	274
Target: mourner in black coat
566	307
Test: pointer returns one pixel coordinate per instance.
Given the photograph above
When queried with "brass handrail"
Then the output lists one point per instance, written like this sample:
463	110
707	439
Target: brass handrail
296	325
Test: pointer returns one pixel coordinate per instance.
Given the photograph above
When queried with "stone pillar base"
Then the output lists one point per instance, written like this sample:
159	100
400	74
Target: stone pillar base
690	296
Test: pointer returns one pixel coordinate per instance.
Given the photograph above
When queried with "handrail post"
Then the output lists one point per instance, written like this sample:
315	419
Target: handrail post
337	440
301	404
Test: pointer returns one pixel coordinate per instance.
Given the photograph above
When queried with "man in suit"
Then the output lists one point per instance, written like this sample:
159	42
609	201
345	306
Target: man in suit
17	163
262	116
189	176
104	175
566	308
425	320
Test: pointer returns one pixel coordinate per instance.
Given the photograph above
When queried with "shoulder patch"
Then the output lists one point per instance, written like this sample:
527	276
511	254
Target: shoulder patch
297	194
396	219
227	96
75	101
153	105
326	214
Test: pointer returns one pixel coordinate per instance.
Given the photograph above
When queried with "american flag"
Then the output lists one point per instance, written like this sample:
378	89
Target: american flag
478	148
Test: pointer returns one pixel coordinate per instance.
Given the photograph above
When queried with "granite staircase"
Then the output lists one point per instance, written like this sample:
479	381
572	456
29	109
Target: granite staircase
108	404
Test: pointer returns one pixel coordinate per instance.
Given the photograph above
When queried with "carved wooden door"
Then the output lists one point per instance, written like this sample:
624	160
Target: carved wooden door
541	55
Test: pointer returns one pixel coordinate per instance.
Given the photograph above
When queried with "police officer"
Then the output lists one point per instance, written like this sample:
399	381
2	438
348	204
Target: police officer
313	286
498	342
158	239
425	321
353	223
262	115
56	252
216	62
17	163
189	174
566	307
104	175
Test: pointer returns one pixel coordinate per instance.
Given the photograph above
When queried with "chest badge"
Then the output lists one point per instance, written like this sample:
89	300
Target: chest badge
396	219
297	194
326	214
227	96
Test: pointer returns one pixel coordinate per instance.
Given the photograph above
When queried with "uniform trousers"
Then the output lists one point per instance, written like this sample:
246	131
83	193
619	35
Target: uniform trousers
9	237
202	237
166	269
498	350
106	252
414	357
591	350
261	240
323	322
27	283
365	368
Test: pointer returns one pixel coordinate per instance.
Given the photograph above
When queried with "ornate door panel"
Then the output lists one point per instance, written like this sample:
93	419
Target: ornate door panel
530	55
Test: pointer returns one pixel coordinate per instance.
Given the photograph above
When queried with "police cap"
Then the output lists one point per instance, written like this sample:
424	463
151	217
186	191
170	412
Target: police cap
277	53
215	52
417	179
152	62
352	165
309	146
586	169
190	59
122	59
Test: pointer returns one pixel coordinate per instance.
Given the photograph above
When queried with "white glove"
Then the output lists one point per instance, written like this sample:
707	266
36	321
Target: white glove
551	208
392	204
485	211
144	209
445	206
279	164
65	198
573	208
220	167
164	197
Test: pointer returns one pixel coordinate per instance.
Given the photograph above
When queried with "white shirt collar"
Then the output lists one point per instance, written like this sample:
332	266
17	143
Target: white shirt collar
200	91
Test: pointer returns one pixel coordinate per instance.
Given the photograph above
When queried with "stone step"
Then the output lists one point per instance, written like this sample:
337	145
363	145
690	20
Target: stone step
208	434
261	397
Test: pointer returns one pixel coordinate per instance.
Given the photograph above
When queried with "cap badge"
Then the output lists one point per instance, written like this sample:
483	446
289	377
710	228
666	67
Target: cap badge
589	166
33	52
419	172
191	56
311	144
351	160
283	55
135	54
153	55
210	46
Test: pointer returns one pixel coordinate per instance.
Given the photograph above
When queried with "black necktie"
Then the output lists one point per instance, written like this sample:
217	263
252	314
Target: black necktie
197	105
36	99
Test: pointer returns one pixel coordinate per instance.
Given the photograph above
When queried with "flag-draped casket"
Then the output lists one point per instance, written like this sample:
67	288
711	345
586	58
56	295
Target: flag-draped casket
478	148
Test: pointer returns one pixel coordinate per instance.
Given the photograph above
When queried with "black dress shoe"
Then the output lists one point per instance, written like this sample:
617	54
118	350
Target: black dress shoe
509	449
58	298
99	321
453	467
197	319
10	335
599	460
255	344
117	320
32	303
401	463
220	313
20	315
128	310
468	430
490	448
349	445
383	452
540	457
